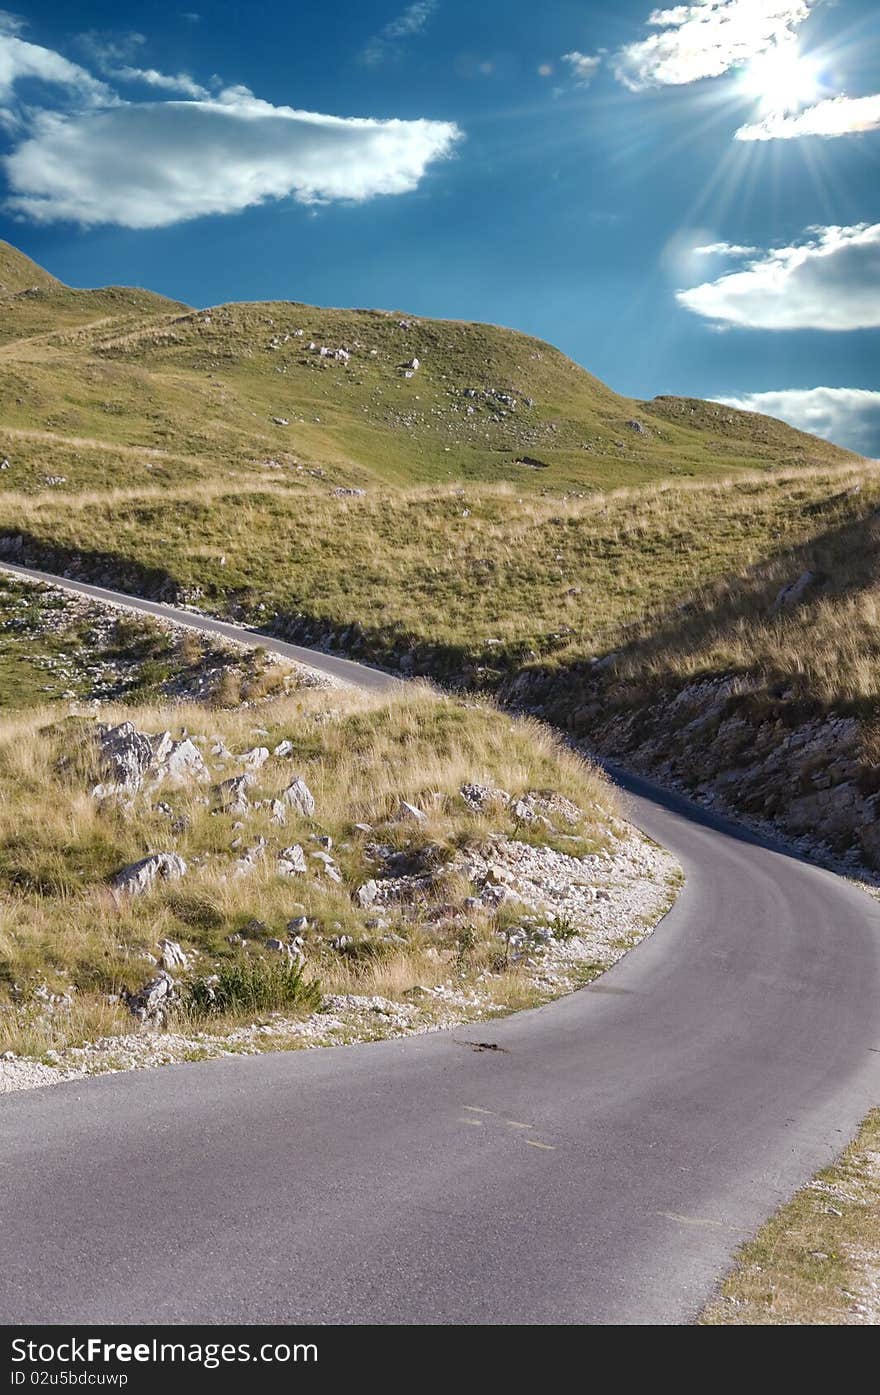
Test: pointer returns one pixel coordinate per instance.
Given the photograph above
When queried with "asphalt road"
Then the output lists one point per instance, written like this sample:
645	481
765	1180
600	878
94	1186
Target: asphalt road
600	1166
361	675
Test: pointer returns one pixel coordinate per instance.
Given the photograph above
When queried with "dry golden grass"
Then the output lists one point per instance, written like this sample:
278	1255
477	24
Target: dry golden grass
62	926
679	579
817	1262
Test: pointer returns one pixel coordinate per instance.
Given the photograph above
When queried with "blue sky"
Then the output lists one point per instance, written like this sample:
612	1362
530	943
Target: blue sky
553	167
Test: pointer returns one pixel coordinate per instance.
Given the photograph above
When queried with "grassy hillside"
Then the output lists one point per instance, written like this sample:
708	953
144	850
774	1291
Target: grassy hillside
19	273
452	522
71	945
114	387
479	578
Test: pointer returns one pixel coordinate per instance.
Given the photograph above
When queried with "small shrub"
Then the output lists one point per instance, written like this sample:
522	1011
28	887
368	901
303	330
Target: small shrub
563	928
228	690
250	986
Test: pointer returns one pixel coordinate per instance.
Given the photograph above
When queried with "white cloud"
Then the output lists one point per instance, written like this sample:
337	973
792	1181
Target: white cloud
707	38
724	249
148	165
167	82
837	116
582	66
10	23
831	281
108	49
21	60
387	43
848	416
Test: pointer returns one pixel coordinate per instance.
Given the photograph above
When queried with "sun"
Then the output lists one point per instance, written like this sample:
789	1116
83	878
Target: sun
782	79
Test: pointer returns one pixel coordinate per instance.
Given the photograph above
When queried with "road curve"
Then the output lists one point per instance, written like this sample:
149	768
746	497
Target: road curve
361	675
600	1167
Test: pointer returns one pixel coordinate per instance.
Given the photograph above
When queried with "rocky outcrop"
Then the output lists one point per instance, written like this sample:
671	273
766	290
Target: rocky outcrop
759	750
132	759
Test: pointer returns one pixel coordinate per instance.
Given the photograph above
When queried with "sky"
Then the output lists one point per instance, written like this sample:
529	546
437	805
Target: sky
686	200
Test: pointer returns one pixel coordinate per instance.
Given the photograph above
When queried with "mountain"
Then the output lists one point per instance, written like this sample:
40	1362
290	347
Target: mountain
97	380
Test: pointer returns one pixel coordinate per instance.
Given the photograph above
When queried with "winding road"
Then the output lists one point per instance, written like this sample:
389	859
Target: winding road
600	1166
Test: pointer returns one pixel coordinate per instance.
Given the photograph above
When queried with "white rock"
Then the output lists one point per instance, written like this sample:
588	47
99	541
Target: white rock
299	797
172	956
182	762
140	877
233	793
255	758
292	861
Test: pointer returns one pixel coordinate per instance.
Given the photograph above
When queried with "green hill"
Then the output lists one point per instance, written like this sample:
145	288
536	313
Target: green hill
100	386
464	502
19	273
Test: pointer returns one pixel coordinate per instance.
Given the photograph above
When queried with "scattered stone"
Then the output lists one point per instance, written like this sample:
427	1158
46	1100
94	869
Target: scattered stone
172	956
151	1002
140	877
233	794
292	861
299	797
794	592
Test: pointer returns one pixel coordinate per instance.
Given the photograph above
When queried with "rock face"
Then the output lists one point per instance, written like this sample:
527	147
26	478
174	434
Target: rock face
140	877
299	797
770	755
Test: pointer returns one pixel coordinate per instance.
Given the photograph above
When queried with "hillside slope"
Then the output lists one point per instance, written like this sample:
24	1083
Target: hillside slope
450	523
98	386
